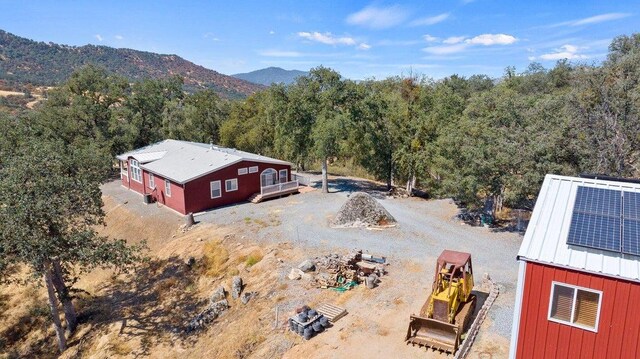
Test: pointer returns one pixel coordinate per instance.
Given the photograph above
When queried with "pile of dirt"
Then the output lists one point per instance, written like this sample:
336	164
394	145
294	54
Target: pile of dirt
362	210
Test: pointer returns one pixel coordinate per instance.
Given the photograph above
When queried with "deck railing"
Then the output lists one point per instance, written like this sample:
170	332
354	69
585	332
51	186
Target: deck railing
279	187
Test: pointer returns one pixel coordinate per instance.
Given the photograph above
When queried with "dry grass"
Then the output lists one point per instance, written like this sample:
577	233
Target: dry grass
383	332
215	260
253	258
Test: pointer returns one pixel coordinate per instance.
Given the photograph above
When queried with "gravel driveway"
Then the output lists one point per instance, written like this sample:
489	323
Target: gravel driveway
425	228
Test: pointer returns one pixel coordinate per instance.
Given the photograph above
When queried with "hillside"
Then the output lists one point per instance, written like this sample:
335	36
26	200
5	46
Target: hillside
271	75
48	64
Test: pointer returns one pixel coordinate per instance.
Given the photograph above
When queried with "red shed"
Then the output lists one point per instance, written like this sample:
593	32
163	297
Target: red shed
191	177
579	278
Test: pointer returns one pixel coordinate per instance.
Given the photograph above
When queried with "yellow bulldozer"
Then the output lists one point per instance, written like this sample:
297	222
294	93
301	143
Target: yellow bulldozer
445	315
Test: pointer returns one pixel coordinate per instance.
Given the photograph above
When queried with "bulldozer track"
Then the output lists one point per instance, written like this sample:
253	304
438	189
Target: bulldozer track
465	347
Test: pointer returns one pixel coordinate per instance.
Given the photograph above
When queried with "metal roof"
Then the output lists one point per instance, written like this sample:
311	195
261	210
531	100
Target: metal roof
183	161
545	240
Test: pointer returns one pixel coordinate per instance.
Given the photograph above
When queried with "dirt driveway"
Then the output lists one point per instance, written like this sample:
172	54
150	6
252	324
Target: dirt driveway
377	319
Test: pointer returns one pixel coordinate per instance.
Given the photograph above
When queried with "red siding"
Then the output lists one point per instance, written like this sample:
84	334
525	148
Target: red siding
198	192
175	201
195	196
618	334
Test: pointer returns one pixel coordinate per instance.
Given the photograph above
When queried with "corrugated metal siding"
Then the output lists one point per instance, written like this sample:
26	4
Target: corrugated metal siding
546	237
618	334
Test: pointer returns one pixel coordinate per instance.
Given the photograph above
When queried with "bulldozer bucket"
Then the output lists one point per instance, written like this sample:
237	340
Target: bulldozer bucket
432	333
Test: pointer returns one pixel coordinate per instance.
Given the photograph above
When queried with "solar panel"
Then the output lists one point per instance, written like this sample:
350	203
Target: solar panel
631	223
596	219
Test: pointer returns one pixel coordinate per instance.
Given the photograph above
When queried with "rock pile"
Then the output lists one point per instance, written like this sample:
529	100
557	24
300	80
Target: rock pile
362	210
213	311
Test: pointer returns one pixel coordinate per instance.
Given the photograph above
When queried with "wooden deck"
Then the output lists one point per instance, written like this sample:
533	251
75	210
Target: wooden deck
277	190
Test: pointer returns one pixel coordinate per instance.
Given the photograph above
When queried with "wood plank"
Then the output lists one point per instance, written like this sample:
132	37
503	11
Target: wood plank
332	312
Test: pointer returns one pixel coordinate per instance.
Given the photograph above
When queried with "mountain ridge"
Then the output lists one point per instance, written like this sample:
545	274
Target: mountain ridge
48	64
271	75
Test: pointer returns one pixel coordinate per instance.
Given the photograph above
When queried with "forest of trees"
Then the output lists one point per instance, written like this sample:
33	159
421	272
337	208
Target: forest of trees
470	138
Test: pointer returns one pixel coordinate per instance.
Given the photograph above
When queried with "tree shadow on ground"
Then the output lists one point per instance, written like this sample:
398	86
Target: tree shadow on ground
153	304
12	339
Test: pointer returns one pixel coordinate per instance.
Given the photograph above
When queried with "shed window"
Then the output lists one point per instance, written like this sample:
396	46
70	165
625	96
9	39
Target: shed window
231	185
253	169
216	191
136	172
575	306
242	171
167	188
283	176
152	181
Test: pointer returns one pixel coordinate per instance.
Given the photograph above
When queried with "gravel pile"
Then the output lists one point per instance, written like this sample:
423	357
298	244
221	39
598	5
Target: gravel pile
362	210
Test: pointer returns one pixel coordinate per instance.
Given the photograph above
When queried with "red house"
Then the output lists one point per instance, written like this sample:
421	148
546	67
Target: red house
578	291
191	177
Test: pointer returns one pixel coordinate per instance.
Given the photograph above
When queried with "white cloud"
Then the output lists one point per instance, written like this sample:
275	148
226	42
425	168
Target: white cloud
569	52
600	18
431	20
492	39
98	37
119	37
327	38
279	53
453	40
457	44
591	20
211	36
429	38
272	32
378	17
364	46
445	50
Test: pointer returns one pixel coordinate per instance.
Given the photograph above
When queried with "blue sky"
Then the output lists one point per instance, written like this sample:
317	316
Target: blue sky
359	39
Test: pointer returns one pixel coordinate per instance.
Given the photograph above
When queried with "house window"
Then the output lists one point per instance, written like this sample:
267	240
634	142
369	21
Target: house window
167	188
253	169
152	181
575	306
242	171
231	185
283	176
136	172
216	191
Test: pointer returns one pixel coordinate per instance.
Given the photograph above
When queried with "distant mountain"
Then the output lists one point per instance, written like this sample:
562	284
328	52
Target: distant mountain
39	63
271	75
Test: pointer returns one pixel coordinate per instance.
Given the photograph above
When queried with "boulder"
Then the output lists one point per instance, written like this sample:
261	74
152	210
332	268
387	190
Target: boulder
295	274
246	296
236	287
307	266
217	295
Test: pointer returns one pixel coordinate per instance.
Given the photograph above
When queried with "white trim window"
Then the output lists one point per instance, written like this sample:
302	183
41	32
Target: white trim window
231	185
167	188
216	189
283	176
136	172
242	171
253	169
152	181
575	306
